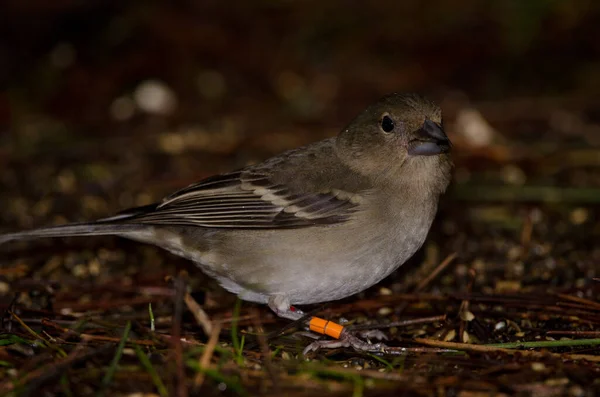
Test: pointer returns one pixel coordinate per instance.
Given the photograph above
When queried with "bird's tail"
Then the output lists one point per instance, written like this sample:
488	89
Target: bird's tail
73	229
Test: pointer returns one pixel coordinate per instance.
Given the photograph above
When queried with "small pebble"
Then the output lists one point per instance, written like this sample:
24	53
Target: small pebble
80	270
383	291
450	336
579	216
500	325
385	311
4	288
538	367
466	315
466	337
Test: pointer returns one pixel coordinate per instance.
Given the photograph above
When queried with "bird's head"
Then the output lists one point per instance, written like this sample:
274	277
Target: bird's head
400	136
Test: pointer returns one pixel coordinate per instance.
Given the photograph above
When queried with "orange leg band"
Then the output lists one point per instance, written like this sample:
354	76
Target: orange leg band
326	327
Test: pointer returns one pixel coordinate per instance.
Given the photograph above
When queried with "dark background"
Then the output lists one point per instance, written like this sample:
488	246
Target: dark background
519	84
282	62
250	79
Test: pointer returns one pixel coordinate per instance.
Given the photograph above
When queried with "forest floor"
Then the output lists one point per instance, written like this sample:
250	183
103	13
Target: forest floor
503	299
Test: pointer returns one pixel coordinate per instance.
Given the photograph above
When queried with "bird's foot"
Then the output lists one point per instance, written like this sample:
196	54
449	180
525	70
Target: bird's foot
346	339
343	337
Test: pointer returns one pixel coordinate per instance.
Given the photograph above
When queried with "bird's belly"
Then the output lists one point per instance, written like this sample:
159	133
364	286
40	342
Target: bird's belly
308	269
307	266
302	281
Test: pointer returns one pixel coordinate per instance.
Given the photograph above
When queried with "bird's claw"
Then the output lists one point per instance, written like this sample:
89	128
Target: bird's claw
346	340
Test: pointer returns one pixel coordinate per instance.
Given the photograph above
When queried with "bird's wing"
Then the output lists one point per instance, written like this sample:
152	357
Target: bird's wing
246	199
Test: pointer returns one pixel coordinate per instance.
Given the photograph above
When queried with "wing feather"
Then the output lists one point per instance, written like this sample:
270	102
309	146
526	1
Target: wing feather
244	199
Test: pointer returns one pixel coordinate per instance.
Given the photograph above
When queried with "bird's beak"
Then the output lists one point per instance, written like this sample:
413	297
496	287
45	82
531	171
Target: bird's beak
429	141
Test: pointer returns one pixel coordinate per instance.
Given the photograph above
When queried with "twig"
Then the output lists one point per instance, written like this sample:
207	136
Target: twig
402	351
425	282
207	354
440	268
526	233
463	311
403	323
588	304
492	349
547	343
107	305
574	333
95	338
199	314
19	270
181	388
264	347
48	343
34	379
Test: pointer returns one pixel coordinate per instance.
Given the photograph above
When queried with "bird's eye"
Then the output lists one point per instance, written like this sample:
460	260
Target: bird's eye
387	124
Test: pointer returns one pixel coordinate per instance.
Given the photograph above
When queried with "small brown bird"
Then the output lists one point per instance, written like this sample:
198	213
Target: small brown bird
314	224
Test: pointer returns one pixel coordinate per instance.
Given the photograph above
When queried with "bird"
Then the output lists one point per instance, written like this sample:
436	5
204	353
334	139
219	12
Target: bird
314	224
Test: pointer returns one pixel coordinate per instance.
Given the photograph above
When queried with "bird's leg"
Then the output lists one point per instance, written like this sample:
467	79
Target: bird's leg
343	338
346	339
281	306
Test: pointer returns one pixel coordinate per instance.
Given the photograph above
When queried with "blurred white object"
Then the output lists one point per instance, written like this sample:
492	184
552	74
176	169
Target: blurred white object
474	128
155	97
